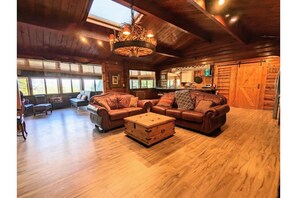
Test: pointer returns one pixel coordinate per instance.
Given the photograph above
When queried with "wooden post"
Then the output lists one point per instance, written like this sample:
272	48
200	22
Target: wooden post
277	97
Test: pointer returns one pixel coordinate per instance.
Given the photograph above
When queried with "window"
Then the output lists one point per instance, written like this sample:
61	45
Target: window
66	85
38	86
35	63
51	86
134	73
134	84
64	67
142	79
99	85
89	85
87	69
97	69
101	10
21	62
50	65
76	85
23	85
74	67
147	83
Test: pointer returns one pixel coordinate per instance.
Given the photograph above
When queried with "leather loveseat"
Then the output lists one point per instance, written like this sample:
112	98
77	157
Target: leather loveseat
206	122
107	111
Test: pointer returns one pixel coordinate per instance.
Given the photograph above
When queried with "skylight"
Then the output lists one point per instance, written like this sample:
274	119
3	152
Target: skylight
111	12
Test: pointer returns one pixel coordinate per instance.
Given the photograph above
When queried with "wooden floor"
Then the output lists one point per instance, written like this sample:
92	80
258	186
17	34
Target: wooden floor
65	156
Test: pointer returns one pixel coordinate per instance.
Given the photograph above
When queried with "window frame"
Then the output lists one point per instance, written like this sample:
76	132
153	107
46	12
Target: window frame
142	75
31	79
27	85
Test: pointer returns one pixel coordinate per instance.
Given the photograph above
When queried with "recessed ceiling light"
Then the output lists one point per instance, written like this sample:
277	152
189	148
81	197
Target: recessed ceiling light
227	15
83	39
221	2
100	43
234	19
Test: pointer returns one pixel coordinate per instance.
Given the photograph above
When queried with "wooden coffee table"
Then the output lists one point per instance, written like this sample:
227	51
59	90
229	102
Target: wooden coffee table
149	128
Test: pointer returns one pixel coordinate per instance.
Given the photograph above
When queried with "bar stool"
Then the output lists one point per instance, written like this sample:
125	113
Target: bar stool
21	124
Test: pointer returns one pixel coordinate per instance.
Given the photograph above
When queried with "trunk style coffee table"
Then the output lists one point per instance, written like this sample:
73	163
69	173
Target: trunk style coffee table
149	128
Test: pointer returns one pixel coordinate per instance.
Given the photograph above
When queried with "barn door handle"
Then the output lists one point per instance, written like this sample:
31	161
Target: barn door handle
258	86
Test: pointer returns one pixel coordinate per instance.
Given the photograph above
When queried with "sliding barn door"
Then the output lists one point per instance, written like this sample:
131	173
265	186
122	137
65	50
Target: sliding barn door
248	86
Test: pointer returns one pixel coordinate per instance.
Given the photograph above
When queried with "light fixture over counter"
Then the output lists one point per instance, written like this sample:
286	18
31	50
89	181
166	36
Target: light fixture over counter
133	40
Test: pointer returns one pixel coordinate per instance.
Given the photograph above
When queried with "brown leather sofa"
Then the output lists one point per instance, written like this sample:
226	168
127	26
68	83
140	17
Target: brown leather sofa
106	119
213	118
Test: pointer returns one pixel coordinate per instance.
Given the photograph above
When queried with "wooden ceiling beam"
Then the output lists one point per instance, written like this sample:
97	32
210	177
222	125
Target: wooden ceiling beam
167	52
235	30
149	8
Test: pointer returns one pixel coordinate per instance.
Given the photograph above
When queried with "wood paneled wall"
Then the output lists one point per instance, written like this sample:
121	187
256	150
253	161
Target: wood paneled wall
248	83
113	67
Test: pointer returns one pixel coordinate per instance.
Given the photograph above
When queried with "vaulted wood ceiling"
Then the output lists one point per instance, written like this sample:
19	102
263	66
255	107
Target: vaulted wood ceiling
187	31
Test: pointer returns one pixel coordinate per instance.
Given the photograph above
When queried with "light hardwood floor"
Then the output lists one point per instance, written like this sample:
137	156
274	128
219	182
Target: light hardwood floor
65	156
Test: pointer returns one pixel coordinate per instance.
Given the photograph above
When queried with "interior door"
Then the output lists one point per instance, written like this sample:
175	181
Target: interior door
248	85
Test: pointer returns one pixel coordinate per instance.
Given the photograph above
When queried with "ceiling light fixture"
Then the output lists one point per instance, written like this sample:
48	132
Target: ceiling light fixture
221	2
133	40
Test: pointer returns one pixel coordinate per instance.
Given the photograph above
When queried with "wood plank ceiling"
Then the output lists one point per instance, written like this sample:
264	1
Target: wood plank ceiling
187	31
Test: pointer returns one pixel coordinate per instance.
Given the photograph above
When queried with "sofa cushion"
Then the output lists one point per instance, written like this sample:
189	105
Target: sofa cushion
159	109
176	113
78	96
184	100
134	110
112	102
118	114
124	101
166	100
104	104
133	102
193	116
203	105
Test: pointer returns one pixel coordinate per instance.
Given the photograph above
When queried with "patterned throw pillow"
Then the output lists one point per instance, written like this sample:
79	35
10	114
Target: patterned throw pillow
184	100
166	100
104	104
84	97
203	105
133	102
123	101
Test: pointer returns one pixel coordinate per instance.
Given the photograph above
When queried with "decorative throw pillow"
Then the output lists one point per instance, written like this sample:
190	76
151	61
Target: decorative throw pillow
112	102
203	105
133	102
84	97
104	104
184	100
166	100
78	96
124	101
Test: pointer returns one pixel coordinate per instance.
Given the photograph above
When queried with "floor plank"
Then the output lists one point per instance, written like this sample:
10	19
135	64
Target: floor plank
65	156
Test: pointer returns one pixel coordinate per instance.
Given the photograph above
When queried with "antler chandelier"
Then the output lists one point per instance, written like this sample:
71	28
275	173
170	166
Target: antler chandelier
133	40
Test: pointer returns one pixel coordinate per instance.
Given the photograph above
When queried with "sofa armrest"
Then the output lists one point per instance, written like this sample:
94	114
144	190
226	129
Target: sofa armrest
96	109
217	111
154	101
144	104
